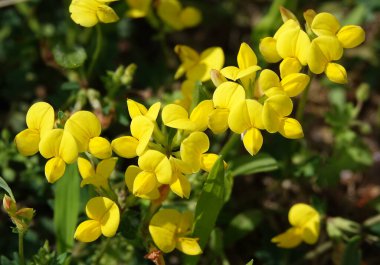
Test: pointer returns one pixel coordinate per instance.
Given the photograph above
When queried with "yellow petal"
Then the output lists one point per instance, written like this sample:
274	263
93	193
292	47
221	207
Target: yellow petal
289	66
336	73
246	56
106	212
157	163
286	14
130	176
290	239
106	167
54	169
268	50
217	78
169	12
27	142
190	17
199	115
185	224
208	160
68	149
218	120
211	58
228	94
300	214
309	15
253	140
323	50
290	128
153	111
293	84
311	231
142	129
248	72
238	119
138	8
106	14
192	147
268	79
181	185
40	117
230	72
176	116
144	183
85	167
83	125
125	146
294	43
88	231
288	25
189	246
100	147
325	24
50	143
351	36
83	12
275	108
163	227
135	108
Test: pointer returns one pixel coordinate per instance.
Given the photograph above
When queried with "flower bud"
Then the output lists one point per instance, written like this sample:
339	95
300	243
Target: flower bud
9	205
217	78
286	14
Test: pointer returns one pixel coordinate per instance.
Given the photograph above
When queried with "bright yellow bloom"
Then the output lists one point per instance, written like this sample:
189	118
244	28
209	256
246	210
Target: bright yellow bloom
290	128
192	148
138	8
88	13
247	66
246	119
225	96
169	229
60	148
208	160
125	146
305	221
100	147
99	176
326	24
323	51
104	217
198	66
180	185
136	109
130	176
39	120
293	84
155	170
177	17
175	116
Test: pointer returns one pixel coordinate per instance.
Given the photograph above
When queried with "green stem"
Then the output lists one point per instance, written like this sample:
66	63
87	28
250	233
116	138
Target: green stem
302	102
229	144
98	47
21	247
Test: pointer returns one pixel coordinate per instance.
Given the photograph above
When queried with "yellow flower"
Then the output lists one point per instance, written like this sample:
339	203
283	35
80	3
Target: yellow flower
208	160
155	169
130	176
136	109
245	118
177	17
60	148
99	176
225	96
323	51
169	228
138	8
326	24
100	147
88	13
305	221
180	185
104	217
39	120
247	66
198	66
175	116
192	148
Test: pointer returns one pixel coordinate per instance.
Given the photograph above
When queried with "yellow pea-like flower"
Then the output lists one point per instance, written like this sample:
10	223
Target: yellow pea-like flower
138	8
290	128
275	108
130	176
39	120
247	66
125	146
305	221
104	218
177	17
196	66
225	96
142	129
136	109
100	147
88	13
180	185
169	228
192	148
97	177
60	148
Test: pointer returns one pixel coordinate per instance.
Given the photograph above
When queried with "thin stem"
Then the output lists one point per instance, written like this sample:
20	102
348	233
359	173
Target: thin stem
21	247
98	47
229	144
302	102
102	251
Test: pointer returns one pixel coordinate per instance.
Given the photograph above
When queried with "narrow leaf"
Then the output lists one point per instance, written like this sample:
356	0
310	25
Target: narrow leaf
4	186
352	253
66	207
245	165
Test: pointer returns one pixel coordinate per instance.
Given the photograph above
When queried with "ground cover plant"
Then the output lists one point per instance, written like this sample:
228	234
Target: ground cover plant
189	132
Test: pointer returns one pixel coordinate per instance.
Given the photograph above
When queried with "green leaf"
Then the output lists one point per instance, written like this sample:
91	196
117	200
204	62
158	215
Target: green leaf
66	207
208	206
352	253
5	187
246	165
241	225
69	57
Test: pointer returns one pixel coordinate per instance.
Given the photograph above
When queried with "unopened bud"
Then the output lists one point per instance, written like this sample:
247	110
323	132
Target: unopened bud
217	78
129	72
286	14
309	17
9	205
